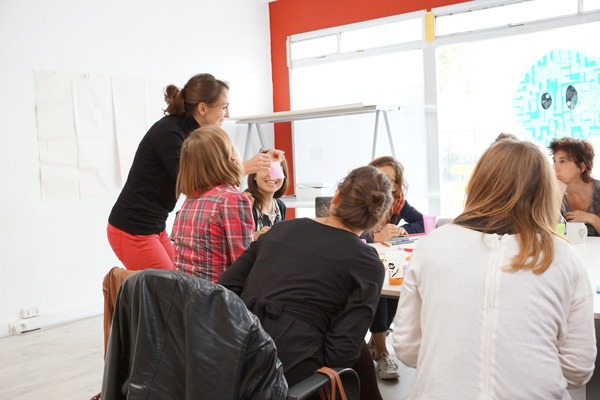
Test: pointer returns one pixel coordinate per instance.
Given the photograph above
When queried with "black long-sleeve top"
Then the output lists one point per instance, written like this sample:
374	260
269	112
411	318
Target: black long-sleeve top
149	195
315	289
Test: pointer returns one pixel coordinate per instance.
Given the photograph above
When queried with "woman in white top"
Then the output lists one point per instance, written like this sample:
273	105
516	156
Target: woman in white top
496	305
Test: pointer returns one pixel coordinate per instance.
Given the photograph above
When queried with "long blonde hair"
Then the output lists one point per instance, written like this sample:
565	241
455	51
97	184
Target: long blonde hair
513	190
207	160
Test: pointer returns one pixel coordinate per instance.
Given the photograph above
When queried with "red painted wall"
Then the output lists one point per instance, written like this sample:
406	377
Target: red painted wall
288	17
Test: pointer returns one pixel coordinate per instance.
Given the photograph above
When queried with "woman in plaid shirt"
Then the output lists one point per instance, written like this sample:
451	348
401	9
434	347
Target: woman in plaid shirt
214	225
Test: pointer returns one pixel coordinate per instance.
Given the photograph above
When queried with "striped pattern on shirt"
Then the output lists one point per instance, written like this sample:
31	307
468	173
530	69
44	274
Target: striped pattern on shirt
211	231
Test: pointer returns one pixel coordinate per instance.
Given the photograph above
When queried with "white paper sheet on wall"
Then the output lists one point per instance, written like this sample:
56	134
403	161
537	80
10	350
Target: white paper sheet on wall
59	152
93	108
75	135
129	99
56	122
59	182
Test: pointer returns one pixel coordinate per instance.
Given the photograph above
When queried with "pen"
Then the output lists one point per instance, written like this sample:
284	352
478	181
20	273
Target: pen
386	244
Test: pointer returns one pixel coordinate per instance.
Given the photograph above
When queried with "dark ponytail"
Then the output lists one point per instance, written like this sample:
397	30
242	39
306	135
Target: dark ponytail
201	88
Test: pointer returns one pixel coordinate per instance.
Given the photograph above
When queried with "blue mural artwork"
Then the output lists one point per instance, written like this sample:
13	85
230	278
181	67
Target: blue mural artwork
560	96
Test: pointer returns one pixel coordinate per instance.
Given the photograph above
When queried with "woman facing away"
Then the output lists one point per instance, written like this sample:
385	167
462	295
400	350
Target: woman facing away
573	163
214	225
496	305
136	225
265	192
386	309
315	285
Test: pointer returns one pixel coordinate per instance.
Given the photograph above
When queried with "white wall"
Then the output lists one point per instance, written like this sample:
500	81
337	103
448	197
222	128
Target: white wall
55	253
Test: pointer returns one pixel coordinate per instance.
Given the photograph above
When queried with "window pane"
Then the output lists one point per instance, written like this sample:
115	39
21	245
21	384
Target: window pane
382	35
327	149
589	5
549	89
314	47
503	15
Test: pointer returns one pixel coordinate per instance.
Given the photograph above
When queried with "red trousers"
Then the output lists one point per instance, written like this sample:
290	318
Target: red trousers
141	251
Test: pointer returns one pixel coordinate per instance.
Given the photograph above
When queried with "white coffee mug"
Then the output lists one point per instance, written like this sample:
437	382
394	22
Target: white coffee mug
576	232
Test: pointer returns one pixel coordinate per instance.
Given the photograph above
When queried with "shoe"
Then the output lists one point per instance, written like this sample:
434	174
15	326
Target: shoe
386	368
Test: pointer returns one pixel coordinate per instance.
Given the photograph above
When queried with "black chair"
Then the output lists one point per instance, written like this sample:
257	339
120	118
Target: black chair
307	388
322	206
176	336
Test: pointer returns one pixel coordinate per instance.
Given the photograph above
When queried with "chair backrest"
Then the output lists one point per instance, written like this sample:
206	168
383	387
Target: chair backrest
110	288
322	206
307	388
443	221
175	336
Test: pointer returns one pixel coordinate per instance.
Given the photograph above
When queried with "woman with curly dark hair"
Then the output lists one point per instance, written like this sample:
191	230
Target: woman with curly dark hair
573	163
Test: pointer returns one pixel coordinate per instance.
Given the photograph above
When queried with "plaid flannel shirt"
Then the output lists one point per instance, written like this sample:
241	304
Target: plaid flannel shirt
211	231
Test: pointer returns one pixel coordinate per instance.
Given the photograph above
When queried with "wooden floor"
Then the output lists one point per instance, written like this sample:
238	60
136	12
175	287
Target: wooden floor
59	363
65	363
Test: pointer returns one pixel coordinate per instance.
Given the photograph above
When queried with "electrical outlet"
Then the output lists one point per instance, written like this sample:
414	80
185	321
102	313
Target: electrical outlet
30	312
17	328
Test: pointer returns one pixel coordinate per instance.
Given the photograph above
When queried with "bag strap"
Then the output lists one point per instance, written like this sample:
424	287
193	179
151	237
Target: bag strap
330	392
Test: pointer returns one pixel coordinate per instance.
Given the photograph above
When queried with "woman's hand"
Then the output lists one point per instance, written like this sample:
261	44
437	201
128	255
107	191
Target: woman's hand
388	231
261	161
581	216
276	155
585	217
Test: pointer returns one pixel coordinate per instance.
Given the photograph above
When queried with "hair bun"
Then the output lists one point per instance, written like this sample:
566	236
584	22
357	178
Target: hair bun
171	92
376	199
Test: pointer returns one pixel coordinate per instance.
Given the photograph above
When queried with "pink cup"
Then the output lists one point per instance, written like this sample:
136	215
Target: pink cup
428	223
276	171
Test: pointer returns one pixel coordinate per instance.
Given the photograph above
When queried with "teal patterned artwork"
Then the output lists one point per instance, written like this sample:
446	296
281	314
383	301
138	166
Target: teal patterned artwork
560	96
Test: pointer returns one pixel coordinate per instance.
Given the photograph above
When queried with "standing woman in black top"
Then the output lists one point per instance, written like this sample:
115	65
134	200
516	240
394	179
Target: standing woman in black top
137	222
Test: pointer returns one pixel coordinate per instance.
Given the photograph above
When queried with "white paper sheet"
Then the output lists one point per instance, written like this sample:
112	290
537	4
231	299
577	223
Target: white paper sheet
59	152
56	122
93	108
59	182
75	135
129	99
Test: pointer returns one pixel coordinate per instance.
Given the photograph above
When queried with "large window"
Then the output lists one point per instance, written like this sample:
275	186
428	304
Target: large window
523	84
373	65
327	149
531	68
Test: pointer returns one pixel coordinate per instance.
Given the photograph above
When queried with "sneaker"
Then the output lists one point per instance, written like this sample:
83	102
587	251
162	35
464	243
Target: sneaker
386	368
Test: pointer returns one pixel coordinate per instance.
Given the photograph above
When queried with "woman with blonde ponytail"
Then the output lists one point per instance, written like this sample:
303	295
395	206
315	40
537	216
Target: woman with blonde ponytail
137	222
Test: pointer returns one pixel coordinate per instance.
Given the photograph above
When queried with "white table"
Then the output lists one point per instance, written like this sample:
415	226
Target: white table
392	290
589	252
312	113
